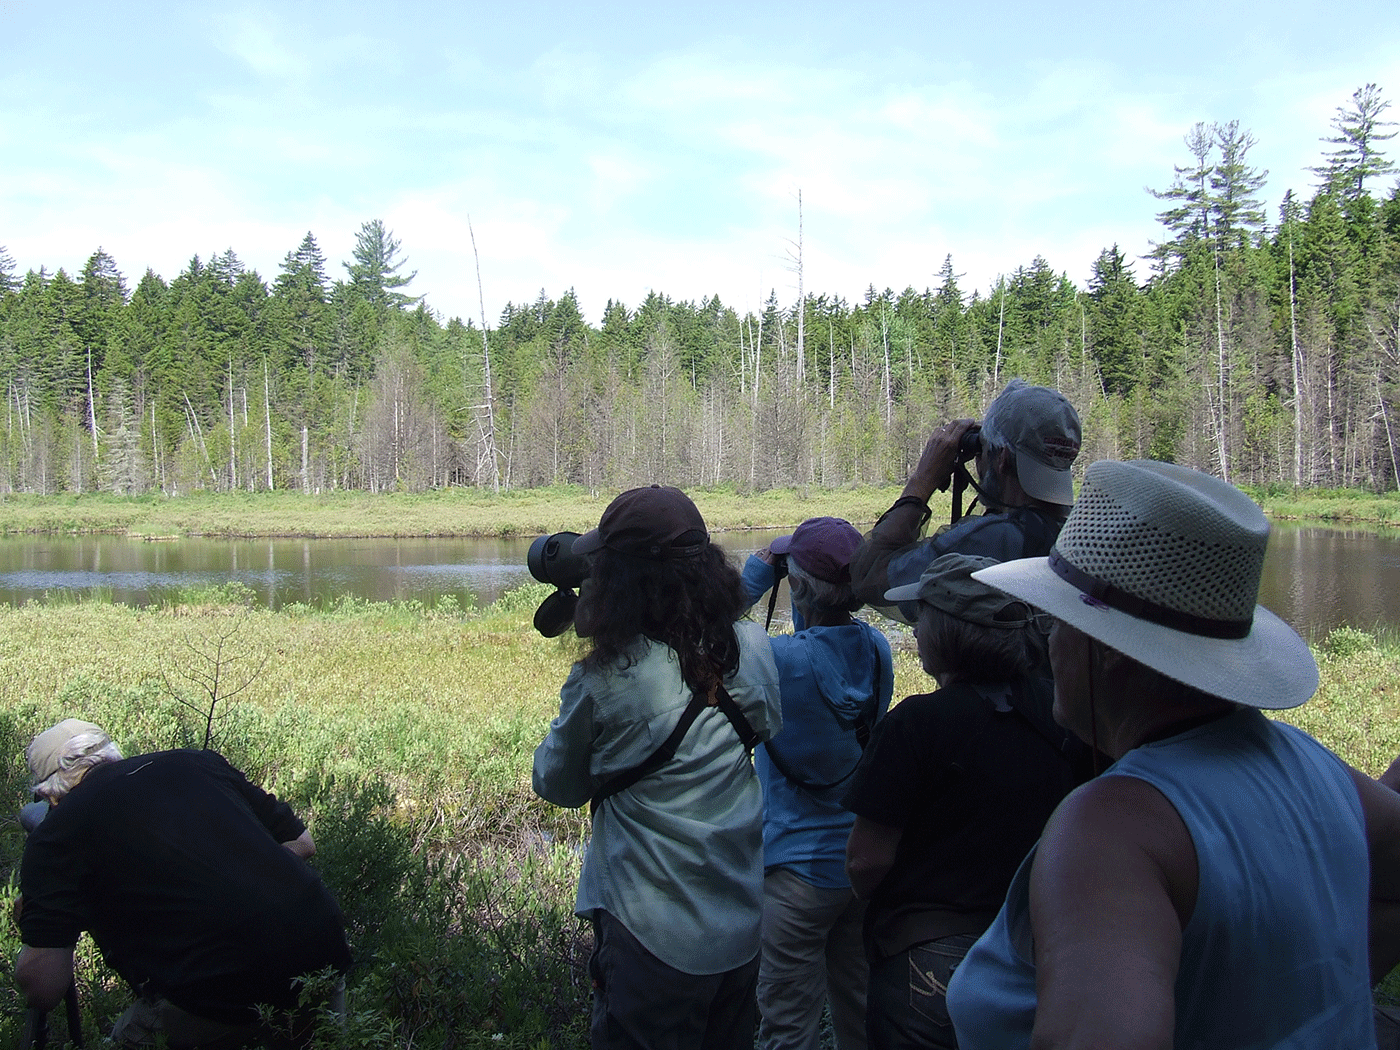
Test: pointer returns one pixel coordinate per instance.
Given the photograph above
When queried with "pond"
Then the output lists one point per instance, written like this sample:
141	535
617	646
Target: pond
1316	578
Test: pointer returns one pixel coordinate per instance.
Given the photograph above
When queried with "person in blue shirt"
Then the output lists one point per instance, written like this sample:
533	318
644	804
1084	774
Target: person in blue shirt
1228	881
835	678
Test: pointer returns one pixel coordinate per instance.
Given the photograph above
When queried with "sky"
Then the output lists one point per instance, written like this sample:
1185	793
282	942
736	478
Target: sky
621	148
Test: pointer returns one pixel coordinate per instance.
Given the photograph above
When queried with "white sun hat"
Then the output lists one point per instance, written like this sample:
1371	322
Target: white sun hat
1162	563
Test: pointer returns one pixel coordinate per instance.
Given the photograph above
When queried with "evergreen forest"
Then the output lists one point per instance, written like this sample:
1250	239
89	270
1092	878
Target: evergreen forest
1258	343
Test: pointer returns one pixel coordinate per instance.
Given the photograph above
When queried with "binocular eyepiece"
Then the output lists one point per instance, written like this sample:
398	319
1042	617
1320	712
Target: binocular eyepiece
552	560
970	444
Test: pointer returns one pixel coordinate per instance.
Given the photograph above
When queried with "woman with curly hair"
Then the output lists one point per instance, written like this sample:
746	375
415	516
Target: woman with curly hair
655	728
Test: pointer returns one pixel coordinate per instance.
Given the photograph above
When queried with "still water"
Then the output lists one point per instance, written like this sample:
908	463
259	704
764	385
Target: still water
1315	578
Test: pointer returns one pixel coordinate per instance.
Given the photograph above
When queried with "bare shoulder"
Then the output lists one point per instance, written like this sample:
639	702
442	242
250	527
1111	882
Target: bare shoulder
1116	838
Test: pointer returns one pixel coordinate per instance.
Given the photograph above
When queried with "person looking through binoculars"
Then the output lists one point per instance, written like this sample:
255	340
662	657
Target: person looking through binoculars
655	730
836	678
1022	450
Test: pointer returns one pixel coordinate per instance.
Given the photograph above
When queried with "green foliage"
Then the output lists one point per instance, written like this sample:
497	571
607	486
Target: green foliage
1263	355
456	881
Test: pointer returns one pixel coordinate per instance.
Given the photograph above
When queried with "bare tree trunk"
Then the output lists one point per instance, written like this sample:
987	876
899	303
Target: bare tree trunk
1001	328
155	450
197	433
1223	418
801	302
267	422
889	384
1331	425
757	353
830	365
1297	369
232	431
1389	436
489	431
92	406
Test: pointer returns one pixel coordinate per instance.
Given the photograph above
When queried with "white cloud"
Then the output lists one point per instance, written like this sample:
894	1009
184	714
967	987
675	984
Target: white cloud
614	161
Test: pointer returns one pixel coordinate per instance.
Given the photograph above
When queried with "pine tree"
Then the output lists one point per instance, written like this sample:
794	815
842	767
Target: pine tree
1188	217
374	273
1113	322
1235	210
1358	135
8	281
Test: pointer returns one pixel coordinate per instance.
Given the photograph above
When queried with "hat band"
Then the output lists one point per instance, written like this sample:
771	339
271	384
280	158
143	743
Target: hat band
1117	598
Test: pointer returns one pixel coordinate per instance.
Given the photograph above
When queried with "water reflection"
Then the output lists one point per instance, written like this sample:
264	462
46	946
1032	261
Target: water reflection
278	571
1318	578
1315	578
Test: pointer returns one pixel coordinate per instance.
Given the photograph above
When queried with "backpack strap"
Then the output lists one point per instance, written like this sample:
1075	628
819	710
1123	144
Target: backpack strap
667	751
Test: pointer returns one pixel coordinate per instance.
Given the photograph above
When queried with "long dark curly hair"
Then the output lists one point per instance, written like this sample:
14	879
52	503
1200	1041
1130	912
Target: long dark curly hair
689	604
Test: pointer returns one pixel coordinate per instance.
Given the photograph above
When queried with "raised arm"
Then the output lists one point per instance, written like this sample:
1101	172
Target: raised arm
901	525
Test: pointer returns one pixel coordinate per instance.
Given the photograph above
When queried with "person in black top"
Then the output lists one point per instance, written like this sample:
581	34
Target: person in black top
952	792
192	881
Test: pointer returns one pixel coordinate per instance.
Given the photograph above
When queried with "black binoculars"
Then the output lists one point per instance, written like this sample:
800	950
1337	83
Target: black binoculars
970	444
552	560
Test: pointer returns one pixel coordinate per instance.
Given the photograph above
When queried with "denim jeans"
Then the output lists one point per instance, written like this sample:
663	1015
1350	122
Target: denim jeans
907	1005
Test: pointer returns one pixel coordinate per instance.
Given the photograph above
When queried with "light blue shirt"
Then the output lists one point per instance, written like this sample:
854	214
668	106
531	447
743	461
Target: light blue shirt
1275	953
678	856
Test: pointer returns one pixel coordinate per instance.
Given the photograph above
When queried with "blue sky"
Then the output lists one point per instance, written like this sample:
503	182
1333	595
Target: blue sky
620	147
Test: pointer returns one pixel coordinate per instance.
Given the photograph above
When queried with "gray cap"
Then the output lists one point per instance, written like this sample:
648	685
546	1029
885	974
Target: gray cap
947	584
1040	425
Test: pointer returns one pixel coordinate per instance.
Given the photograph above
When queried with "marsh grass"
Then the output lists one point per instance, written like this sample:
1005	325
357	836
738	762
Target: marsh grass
1331	506
532	512
404	735
450	512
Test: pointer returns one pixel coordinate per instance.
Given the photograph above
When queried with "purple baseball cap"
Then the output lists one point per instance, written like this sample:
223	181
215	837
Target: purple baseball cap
822	547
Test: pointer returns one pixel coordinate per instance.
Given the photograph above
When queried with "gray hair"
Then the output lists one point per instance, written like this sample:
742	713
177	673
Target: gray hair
80	754
975	652
817	594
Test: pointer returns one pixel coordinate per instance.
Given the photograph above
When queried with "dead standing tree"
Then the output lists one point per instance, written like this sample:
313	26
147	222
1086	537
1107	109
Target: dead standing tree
485	424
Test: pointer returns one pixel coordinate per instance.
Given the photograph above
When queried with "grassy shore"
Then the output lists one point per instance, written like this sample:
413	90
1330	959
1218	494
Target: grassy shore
404	734
532	512
452	512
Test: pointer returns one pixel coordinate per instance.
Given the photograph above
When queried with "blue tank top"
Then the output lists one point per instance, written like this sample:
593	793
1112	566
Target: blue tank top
1275	953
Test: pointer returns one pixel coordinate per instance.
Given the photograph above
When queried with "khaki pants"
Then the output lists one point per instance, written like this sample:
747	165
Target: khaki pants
149	1020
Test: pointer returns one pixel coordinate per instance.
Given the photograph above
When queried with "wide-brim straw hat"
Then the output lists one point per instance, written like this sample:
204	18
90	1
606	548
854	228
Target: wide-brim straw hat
1162	563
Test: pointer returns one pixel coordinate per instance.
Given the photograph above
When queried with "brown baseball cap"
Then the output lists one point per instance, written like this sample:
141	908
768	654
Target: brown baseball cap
45	751
657	522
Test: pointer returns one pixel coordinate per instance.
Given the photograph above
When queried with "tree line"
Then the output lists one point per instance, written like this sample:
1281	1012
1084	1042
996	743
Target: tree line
1262	349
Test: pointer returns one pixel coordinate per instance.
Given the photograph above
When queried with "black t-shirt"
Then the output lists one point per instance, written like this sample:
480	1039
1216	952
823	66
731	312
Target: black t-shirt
173	861
970	773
